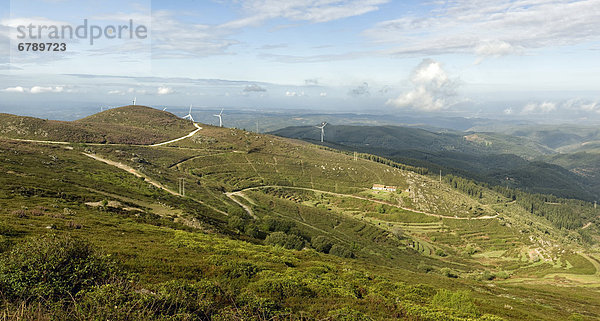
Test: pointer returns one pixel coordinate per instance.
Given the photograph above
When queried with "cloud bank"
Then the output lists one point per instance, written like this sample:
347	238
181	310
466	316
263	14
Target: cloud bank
433	89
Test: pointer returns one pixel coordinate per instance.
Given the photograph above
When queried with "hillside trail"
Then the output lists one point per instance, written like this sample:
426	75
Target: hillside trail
105	144
486	217
180	138
246	208
148	179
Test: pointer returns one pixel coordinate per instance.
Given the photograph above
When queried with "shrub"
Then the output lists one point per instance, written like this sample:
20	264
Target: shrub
53	267
19	213
236	223
348	314
487	275
460	301
281	286
273	224
321	244
285	240
447	272
502	275
252	231
424	267
341	251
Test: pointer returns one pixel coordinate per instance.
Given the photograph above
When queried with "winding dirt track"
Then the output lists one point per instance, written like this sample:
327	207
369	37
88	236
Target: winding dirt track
239	193
244	206
148	179
180	138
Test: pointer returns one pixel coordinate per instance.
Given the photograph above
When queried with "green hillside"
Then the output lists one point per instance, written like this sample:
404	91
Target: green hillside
125	125
557	137
272	228
492	158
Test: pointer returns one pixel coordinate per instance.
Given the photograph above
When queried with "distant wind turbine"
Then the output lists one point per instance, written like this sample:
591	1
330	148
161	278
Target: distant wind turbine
220	118
322	127
134	99
189	115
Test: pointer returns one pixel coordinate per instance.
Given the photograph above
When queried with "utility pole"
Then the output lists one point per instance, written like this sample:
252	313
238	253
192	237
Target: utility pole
440	176
182	186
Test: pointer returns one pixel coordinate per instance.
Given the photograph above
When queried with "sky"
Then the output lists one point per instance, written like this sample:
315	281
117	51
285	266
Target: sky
530	59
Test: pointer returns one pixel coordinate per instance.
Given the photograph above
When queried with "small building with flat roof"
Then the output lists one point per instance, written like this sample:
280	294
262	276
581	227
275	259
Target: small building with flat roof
380	187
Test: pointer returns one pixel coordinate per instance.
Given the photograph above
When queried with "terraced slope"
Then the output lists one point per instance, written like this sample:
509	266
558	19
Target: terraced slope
280	229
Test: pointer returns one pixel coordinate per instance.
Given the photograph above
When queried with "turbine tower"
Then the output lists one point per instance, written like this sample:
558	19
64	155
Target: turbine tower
322	127
220	118
134	99
189	115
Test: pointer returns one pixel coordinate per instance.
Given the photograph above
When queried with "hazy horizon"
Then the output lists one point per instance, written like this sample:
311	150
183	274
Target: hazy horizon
508	60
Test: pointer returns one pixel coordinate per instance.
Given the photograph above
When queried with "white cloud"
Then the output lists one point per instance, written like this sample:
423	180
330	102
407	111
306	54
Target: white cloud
116	92
17	89
582	105
254	88
539	108
172	38
294	94
165	90
433	89
492	28
323	94
42	90
315	11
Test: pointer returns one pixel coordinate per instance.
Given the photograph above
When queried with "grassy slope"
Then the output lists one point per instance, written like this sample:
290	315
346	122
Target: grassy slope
391	244
124	125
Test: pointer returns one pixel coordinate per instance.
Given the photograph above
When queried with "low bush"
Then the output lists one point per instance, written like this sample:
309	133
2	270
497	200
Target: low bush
287	241
341	251
460	301
53	267
322	244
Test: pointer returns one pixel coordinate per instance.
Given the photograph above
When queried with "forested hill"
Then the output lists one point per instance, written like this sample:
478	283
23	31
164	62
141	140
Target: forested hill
493	158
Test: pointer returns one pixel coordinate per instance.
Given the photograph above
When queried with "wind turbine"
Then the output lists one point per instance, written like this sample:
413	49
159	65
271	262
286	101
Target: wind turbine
134	99
189	115
220	118
322	127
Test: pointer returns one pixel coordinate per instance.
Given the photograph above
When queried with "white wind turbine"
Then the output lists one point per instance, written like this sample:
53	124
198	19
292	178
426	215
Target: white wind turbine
220	118
134	99
189	115
322	127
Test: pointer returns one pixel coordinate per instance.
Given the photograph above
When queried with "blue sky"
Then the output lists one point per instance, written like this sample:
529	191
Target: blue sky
504	59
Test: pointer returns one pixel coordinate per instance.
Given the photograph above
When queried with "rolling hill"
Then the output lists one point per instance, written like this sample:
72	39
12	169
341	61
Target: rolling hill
228	225
125	125
492	158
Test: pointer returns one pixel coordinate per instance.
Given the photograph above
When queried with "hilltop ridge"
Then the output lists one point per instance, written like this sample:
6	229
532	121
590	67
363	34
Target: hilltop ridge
123	125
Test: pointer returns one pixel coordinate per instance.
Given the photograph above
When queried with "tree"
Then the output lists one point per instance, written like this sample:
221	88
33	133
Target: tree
322	244
287	241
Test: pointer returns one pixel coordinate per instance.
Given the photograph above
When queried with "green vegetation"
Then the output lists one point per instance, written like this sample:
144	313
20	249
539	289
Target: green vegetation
125	125
493	158
84	239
